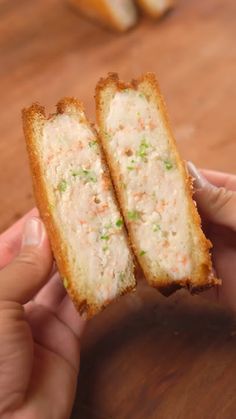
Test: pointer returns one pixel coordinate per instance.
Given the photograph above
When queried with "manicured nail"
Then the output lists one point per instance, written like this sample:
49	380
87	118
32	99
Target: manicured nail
199	180
33	232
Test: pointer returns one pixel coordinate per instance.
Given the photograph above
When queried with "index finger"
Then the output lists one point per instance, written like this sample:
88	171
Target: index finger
10	240
220	179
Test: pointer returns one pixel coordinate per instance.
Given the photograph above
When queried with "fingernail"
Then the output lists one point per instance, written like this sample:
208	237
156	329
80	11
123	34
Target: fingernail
199	180
33	232
84	316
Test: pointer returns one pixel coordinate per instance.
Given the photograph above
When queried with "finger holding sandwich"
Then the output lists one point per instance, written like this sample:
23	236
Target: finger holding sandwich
35	318
215	194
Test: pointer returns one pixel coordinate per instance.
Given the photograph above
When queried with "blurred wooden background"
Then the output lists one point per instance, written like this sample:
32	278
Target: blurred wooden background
145	356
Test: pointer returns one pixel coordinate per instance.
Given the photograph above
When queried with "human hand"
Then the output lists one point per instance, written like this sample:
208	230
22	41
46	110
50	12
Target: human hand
39	328
216	199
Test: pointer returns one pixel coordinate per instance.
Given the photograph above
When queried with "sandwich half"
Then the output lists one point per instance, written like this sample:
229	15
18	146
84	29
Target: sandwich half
75	198
155	8
153	187
116	14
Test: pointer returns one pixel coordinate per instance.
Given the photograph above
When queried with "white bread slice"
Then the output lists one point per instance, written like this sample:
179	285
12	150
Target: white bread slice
153	188
155	8
75	198
116	14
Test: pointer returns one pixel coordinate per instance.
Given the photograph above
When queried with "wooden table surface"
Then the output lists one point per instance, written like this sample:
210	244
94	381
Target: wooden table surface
145	356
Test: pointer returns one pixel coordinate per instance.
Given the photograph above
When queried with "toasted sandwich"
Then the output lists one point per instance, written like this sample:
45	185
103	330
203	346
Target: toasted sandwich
155	8
152	185
75	198
116	14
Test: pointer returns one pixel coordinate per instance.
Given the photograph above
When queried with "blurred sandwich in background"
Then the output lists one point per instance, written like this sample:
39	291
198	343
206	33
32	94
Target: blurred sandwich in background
120	15
155	8
116	14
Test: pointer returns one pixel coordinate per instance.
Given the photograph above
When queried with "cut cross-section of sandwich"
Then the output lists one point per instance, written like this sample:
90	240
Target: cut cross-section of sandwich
153	188
117	14
76	201
155	8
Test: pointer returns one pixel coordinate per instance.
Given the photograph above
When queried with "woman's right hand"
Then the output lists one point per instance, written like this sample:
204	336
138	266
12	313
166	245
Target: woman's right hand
216	200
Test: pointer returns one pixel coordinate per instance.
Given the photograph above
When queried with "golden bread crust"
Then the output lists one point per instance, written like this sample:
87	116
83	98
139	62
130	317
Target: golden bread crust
203	277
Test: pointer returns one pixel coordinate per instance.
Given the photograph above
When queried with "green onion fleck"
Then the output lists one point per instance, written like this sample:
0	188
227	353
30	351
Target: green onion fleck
51	206
143	252
108	225
119	223
156	227
142	151
92	144
105	248
90	176
65	282
104	237
75	174
168	165
107	136
87	175
121	276
131	167
133	215
62	186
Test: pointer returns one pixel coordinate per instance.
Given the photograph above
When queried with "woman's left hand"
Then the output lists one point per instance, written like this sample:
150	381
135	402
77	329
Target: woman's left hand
39	328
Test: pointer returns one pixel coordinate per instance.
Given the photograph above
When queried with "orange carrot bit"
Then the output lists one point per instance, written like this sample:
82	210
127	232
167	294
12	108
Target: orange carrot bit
49	158
139	195
102	208
138	168
161	205
82	222
79	146
166	243
87	166
141	123
184	260
152	125
105	182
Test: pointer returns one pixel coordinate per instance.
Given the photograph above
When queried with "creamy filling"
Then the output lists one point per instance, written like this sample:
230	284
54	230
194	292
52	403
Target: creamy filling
84	206
155	203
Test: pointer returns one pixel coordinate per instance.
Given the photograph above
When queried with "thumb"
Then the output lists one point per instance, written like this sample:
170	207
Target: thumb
28	272
218	205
